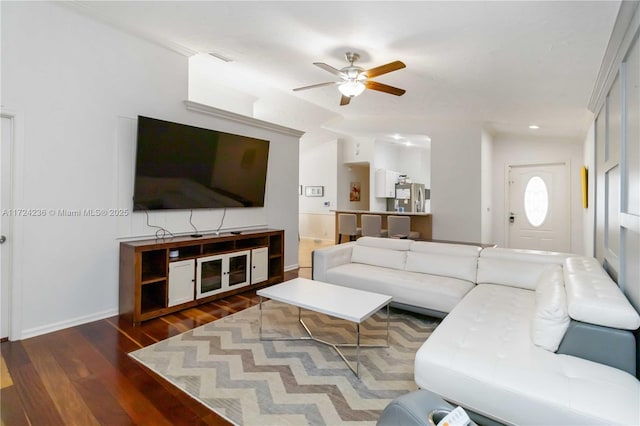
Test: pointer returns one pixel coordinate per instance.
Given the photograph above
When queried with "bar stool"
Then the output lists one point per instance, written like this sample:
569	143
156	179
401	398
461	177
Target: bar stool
347	225
372	226
400	227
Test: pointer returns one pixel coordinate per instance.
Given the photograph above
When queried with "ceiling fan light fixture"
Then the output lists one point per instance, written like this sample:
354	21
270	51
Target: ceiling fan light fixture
351	88
353	80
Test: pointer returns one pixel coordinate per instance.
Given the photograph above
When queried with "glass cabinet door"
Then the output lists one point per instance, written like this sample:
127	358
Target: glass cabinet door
238	269
210	274
219	273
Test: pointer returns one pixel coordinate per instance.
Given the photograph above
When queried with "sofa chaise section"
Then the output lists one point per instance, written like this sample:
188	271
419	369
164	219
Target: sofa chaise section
483	355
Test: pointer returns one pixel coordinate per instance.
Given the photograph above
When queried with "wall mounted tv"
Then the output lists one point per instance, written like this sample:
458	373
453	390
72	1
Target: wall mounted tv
186	167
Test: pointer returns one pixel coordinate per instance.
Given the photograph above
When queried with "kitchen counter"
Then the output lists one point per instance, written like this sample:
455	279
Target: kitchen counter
420	222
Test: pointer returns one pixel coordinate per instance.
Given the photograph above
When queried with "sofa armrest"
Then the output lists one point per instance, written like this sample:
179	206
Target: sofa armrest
329	257
595	343
412	409
593	297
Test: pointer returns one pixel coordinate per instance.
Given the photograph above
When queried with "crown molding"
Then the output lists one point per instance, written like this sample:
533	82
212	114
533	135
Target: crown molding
238	118
624	32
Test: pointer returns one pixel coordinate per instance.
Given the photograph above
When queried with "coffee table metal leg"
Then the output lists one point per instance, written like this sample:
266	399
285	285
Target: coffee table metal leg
388	324
260	320
358	349
335	346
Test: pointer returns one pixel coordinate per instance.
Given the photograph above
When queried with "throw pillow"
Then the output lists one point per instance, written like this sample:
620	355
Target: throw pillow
551	318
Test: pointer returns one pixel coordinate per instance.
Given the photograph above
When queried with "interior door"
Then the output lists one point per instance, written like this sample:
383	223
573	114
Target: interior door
5	127
539	207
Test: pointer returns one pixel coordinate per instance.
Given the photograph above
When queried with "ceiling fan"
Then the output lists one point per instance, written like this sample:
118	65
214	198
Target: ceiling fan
354	80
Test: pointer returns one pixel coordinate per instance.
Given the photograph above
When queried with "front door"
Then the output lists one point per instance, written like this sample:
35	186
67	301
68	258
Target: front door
539	207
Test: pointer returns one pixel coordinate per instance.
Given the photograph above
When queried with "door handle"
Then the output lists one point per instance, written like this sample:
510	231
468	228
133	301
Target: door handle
2	239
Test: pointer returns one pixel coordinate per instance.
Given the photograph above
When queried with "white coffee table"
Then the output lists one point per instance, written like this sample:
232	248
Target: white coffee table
334	300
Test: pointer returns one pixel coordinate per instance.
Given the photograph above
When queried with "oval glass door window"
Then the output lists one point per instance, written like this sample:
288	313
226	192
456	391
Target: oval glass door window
536	201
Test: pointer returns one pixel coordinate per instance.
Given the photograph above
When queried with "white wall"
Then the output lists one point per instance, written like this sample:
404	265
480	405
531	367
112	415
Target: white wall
520	150
588	214
455	183
357	149
216	91
415	162
318	166
486	214
77	86
352	151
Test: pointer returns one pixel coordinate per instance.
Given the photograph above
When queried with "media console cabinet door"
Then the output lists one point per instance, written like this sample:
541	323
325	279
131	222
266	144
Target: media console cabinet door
209	275
181	277
219	273
238	269
259	265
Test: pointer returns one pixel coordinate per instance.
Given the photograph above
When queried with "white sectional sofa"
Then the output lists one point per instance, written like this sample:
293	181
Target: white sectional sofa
527	337
427	277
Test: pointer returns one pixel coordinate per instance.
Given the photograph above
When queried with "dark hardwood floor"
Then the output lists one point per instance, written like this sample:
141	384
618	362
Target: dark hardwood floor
83	375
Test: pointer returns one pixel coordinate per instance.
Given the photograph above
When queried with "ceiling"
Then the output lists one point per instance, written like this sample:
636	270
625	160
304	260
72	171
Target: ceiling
501	65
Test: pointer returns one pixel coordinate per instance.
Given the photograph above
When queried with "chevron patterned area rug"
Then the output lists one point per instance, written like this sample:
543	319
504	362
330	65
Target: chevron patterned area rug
226	367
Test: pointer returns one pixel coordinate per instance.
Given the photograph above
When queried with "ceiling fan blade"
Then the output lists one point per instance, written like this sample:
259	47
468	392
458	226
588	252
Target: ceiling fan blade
313	86
344	100
374	85
329	68
383	69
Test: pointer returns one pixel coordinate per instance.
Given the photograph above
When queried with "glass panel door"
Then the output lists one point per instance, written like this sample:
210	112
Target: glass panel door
210	275
238	269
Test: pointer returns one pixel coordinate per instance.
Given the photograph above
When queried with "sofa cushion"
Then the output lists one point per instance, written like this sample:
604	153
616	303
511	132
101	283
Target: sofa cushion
515	268
385	243
385	258
481	357
511	273
583	265
533	256
411	288
448	260
446	248
593	297
550	319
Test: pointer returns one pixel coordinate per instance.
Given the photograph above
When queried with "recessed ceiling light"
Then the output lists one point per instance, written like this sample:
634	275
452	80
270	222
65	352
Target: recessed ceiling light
534	126
397	137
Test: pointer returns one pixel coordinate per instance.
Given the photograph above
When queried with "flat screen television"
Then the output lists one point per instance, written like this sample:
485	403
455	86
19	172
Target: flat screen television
186	167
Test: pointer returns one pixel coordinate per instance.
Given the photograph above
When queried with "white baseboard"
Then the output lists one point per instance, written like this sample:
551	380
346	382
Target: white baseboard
291	267
50	328
315	238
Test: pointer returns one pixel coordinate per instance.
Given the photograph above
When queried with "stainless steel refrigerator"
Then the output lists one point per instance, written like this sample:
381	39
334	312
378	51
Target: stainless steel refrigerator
410	197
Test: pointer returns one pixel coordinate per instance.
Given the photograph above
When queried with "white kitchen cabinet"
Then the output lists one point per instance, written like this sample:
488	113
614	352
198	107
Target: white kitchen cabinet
386	183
